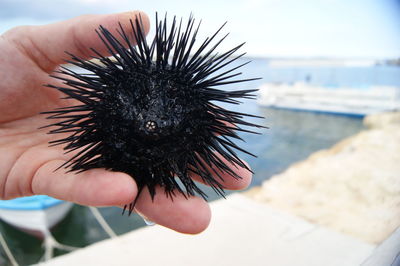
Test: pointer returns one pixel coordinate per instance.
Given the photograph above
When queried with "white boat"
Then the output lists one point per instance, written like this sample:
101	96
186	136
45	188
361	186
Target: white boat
35	214
343	101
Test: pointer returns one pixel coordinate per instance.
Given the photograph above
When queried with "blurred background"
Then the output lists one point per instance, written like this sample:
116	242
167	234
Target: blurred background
296	47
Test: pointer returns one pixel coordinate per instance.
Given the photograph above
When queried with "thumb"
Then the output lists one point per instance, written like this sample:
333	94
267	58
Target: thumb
46	45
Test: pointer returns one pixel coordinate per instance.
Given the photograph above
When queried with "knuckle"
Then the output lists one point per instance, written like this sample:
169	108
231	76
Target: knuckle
16	32
22	37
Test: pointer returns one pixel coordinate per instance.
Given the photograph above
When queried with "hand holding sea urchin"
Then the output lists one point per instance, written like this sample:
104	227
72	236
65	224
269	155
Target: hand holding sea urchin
150	110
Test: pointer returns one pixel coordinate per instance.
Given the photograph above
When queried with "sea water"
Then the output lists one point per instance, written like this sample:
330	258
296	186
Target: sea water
290	137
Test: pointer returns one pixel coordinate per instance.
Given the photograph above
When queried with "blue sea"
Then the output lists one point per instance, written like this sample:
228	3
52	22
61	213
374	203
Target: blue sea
290	137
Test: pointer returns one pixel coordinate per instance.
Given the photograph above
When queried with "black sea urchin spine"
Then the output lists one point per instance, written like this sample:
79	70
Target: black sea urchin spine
149	110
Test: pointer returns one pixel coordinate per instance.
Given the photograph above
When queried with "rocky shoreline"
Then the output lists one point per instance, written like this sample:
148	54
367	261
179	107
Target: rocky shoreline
353	187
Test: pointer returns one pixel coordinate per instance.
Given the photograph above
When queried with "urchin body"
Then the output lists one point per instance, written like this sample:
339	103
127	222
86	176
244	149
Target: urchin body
149	110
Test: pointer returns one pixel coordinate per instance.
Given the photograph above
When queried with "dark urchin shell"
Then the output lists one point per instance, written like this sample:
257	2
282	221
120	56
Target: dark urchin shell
149	110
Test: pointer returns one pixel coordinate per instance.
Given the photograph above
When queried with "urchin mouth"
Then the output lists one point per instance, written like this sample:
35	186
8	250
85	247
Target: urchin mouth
151	126
150	130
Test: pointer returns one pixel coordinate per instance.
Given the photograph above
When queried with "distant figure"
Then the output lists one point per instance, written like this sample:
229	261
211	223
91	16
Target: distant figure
308	78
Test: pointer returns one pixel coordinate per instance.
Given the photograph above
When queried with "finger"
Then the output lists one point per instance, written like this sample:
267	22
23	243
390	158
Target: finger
224	178
190	216
47	44
96	187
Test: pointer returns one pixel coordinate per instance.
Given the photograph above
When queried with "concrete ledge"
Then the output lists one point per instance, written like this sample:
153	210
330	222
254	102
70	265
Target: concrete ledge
387	253
242	232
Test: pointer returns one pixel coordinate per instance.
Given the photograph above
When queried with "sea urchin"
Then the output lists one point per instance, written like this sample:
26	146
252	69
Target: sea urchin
149	110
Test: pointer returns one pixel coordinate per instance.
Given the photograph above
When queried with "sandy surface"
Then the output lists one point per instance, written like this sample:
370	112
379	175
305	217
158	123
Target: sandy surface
353	187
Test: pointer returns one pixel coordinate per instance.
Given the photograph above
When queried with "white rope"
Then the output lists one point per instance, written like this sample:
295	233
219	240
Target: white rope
7	250
50	243
103	222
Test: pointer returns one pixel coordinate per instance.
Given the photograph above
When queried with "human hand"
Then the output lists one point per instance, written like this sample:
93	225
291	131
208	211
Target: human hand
28	54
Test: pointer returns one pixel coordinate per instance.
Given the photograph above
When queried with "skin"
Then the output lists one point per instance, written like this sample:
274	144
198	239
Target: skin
28	54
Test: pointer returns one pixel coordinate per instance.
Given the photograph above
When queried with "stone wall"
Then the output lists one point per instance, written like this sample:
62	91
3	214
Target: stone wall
353	187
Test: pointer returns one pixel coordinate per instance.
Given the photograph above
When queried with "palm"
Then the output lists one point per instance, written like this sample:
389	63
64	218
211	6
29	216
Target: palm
22	97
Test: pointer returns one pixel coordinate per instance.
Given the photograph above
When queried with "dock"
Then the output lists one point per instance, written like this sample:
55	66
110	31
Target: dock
242	232
339	101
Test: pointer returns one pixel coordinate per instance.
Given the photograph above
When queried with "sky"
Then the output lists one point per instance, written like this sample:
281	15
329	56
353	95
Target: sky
270	28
